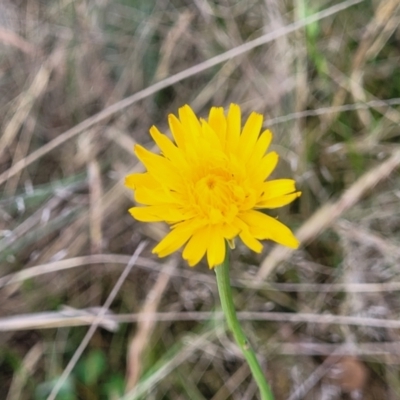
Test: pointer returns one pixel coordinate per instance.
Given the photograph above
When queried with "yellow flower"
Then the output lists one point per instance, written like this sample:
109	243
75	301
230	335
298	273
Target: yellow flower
210	184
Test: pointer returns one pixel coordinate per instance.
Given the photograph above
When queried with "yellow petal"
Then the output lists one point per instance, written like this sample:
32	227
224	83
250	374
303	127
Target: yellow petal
191	133
216	249
229	231
233	128
177	131
263	143
279	201
259	149
175	239
250	241
263	226
217	122
168	149
277	188
189	120
155	213
148	196
148	191
159	167
210	138
196	247
133	181
130	181
264	169
249	136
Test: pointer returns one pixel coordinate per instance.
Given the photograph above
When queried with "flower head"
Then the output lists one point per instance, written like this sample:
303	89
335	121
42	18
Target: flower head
209	184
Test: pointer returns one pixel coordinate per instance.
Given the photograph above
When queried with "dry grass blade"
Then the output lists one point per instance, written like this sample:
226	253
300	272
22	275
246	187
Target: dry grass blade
57	266
24	106
327	287
372	350
232	384
12	39
333	110
315	377
29	363
88	151
56	319
145	327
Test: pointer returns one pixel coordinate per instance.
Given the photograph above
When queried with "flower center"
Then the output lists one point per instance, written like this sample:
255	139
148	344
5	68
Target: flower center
211	182
217	196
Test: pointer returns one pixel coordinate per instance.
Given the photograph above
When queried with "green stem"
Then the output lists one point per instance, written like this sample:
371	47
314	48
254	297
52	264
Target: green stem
225	294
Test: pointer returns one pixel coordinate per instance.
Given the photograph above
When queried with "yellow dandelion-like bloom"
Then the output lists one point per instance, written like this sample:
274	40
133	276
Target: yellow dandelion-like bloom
209	185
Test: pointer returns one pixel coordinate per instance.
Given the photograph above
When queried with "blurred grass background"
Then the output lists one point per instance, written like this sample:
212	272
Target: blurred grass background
81	82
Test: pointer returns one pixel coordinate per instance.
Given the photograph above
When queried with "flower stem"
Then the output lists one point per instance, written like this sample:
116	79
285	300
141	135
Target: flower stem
225	294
